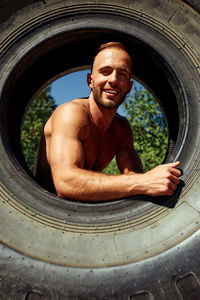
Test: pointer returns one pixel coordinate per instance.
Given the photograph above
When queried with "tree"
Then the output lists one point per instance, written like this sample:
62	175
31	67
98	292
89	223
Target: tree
149	128
35	117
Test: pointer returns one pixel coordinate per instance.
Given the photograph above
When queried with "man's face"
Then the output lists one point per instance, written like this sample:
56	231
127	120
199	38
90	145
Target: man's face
110	79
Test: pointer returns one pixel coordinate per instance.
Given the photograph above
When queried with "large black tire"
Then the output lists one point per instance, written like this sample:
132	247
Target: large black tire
138	248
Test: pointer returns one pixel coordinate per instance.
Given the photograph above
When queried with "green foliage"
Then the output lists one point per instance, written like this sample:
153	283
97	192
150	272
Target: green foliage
112	168
149	128
35	117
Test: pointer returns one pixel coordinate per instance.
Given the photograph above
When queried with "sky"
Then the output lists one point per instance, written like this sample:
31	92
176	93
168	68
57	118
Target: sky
71	86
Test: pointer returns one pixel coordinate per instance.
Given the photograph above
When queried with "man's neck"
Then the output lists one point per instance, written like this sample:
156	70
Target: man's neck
102	117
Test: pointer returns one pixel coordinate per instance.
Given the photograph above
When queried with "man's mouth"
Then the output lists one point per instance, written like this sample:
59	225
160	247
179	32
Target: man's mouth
111	92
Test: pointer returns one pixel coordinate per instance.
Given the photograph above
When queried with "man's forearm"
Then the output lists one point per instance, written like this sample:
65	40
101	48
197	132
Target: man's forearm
92	186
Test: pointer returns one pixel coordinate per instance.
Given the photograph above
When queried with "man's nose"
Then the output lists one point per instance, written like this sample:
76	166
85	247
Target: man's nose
113	78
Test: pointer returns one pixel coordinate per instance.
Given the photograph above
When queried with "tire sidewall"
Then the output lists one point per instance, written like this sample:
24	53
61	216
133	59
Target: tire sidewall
24	202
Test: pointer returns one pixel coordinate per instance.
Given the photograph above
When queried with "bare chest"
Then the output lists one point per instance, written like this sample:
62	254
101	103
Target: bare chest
99	150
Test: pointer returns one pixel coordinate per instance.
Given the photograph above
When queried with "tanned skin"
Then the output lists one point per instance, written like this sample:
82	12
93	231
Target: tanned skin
82	136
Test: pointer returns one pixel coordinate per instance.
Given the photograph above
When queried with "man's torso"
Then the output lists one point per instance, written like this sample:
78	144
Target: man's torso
98	149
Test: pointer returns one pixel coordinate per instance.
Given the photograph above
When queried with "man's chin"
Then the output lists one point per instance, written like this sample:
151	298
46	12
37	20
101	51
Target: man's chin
110	104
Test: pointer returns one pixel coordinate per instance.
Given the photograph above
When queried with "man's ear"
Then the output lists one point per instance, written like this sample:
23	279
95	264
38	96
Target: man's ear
89	80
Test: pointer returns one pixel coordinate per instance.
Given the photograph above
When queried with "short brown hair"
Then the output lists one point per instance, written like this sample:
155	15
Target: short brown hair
109	45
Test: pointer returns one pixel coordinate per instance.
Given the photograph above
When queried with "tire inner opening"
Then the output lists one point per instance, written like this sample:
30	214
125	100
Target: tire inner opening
149	127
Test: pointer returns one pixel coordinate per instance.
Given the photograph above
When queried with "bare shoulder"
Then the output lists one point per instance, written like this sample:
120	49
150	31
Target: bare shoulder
73	112
122	123
72	115
72	108
123	128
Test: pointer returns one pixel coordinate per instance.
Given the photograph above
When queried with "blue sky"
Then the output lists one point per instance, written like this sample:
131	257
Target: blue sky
71	86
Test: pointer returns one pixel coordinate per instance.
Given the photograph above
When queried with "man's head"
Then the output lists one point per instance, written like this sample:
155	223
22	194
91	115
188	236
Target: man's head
111	73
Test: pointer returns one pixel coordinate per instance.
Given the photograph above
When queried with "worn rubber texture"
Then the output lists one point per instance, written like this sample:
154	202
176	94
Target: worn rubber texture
138	248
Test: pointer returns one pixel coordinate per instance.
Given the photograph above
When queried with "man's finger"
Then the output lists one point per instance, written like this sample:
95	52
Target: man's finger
176	172
175	180
172	186
175	164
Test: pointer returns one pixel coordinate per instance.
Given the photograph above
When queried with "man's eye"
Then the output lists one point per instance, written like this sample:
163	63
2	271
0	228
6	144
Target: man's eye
105	72
122	74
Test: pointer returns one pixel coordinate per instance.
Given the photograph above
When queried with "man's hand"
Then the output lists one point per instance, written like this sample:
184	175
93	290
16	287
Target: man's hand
162	180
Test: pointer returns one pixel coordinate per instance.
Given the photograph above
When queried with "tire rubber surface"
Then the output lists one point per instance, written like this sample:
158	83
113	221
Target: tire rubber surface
138	248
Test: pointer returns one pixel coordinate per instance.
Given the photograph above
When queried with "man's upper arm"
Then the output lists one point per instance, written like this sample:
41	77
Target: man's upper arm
127	157
65	149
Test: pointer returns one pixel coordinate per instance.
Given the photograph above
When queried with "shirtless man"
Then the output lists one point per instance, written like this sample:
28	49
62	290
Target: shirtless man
82	136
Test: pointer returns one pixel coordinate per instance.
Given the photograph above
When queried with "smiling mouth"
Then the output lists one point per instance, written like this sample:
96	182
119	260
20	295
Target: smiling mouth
111	92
